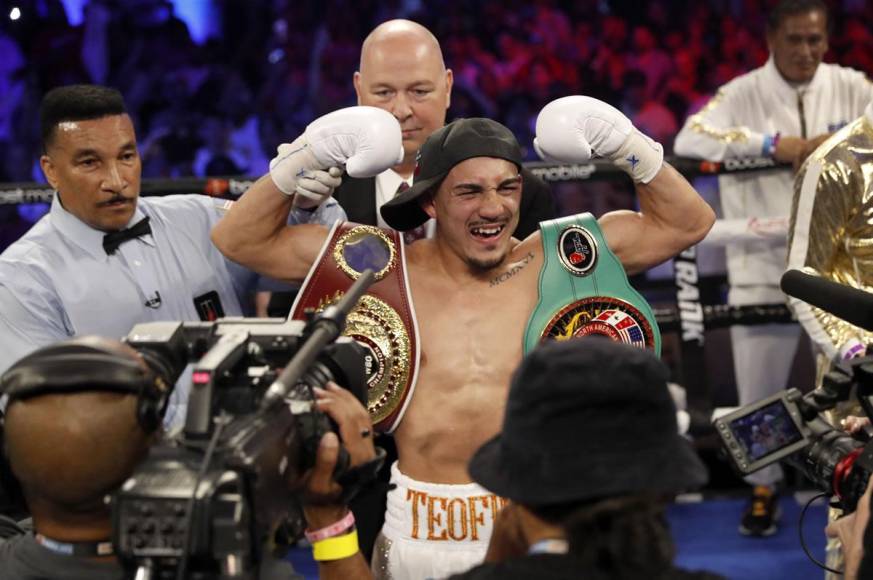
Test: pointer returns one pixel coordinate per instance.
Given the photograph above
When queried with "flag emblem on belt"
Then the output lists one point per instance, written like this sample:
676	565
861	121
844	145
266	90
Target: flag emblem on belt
601	315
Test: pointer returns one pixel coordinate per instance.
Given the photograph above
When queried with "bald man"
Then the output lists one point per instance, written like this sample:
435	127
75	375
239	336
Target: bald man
402	71
69	451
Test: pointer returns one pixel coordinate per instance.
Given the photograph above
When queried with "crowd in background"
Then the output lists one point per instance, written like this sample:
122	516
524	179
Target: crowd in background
221	107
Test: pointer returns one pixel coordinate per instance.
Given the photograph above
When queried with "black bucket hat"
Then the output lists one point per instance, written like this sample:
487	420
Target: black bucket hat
586	419
458	141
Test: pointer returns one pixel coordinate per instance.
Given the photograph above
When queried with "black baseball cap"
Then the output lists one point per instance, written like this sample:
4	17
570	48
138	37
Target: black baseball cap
458	141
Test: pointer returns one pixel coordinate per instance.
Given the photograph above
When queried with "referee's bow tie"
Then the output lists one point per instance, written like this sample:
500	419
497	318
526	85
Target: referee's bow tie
112	240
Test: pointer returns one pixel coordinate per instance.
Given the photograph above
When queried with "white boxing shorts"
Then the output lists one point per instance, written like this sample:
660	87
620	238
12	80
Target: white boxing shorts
433	530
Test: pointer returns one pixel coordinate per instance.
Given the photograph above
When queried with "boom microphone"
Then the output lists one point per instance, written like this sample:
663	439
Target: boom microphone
852	305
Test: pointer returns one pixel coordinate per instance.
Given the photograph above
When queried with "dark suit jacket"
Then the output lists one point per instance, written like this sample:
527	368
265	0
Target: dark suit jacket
358	198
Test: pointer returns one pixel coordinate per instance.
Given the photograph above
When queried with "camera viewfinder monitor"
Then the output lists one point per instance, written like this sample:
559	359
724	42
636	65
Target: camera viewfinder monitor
764	432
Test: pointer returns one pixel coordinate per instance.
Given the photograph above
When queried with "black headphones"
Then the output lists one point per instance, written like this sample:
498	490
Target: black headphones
78	365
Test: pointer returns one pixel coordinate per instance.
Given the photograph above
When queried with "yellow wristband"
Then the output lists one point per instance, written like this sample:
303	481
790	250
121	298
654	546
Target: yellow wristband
336	548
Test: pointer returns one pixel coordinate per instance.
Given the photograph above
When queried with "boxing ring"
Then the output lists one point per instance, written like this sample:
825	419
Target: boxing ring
684	314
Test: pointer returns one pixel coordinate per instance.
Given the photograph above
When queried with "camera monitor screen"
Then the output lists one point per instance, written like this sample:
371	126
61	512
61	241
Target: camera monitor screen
765	430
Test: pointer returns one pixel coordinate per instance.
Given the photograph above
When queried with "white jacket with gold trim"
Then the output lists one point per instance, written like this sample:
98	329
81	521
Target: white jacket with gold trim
735	123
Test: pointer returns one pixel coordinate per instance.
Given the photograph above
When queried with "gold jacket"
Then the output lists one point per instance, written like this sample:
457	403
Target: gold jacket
831	229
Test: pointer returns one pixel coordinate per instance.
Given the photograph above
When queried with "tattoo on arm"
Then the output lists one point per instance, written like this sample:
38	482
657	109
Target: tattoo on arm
504	276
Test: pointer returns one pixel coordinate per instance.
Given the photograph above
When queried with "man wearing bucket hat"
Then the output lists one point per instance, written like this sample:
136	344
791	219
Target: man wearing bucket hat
475	286
594	509
604	495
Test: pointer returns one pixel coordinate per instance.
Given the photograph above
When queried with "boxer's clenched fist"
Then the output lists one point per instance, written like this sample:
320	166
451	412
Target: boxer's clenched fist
571	129
365	140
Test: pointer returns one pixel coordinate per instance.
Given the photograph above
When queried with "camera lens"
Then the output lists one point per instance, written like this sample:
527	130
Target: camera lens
820	461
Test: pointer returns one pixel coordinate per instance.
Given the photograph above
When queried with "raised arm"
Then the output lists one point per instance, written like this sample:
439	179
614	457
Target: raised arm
254	233
672	215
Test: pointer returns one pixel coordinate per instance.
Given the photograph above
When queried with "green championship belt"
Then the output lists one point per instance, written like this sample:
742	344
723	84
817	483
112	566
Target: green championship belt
584	290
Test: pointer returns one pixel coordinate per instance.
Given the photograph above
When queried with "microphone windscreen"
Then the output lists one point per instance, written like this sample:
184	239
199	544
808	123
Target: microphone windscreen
852	305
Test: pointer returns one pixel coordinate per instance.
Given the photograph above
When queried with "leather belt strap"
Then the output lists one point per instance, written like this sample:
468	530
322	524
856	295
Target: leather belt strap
383	321
583	289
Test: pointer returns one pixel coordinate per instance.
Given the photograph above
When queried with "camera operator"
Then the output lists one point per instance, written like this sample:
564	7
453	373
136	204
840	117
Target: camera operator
69	450
76	429
333	536
853	535
593	509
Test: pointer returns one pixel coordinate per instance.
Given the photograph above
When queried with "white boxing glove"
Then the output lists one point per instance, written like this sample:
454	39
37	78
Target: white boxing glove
315	186
366	140
570	129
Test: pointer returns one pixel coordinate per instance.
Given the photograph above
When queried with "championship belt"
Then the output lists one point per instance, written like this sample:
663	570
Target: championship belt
583	290
384	319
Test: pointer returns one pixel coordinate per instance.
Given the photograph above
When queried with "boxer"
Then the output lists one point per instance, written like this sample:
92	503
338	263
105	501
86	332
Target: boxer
474	286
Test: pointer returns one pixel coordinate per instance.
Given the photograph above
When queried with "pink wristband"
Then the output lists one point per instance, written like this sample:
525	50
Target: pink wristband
332	530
